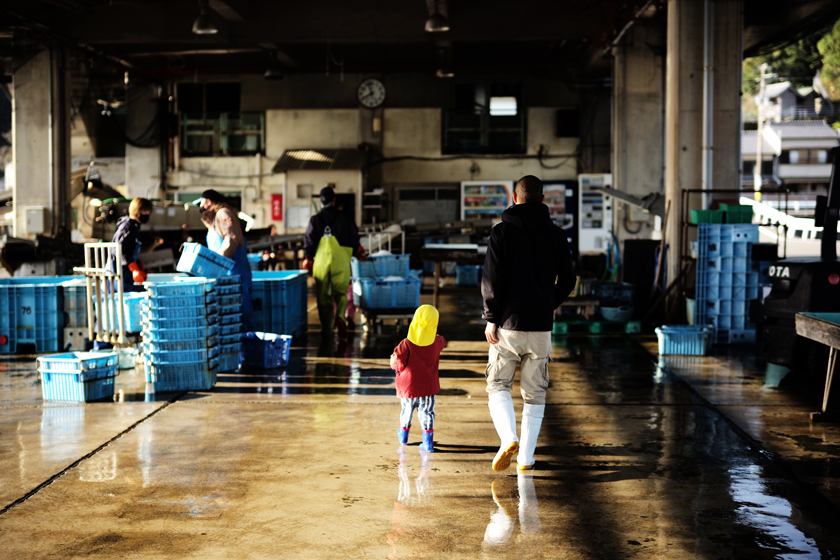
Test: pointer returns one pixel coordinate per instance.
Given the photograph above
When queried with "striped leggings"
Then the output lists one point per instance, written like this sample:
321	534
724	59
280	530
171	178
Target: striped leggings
425	412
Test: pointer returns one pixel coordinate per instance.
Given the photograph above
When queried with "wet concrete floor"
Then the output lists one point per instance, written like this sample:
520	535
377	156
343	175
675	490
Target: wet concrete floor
638	457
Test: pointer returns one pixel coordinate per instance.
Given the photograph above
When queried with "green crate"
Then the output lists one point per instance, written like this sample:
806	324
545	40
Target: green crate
706	216
737	213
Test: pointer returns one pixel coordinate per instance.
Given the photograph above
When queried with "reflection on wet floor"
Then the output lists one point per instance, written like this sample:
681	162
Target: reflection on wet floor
631	461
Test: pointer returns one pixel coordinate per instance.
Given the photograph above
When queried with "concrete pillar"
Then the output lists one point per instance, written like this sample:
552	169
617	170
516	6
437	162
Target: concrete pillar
639	120
142	164
684	108
40	145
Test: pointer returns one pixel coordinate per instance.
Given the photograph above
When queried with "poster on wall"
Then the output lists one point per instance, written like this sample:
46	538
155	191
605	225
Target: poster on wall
277	207
482	200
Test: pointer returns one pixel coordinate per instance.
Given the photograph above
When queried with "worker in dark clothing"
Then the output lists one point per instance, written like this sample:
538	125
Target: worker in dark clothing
528	273
330	240
128	236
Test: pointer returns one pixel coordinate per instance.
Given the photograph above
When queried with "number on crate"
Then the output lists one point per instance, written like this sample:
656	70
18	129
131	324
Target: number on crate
26	310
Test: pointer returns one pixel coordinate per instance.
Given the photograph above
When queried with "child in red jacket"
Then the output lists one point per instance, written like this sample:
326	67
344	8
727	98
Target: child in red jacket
416	361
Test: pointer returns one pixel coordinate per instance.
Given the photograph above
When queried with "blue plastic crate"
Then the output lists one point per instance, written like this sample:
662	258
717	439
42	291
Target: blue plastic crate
468	274
200	300
380	266
32	314
265	350
231	299
235	309
181	345
167	313
189	286
229	339
227	330
75	303
198	260
76	362
156	333
232	279
230	319
92	385
197	376
180	356
683	340
229	357
371	293
229	289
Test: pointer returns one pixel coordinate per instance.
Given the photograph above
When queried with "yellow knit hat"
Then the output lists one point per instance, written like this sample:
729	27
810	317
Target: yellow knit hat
424	326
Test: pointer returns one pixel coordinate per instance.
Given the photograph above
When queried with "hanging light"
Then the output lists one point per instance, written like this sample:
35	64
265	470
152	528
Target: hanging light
443	73
203	24
273	71
436	22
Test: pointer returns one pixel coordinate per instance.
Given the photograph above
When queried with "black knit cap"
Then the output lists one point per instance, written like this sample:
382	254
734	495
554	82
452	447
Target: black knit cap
327	195
213	196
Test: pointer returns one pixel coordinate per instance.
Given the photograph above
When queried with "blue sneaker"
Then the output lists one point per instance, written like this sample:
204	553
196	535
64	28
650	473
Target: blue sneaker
402	434
428	444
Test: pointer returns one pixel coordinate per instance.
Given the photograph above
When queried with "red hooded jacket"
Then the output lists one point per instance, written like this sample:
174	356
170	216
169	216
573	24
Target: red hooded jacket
417	368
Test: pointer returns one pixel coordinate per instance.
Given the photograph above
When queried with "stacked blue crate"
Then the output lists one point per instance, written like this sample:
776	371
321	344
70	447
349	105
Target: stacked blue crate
385	282
181	335
726	282
279	300
229	298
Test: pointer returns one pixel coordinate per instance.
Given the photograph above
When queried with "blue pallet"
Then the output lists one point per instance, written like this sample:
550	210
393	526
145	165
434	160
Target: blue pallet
88	386
468	274
189	286
171	313
198	376
235	309
179	356
232	279
279	301
683	340
229	289
198	260
265	350
371	293
181	345
230	299
154	332
229	339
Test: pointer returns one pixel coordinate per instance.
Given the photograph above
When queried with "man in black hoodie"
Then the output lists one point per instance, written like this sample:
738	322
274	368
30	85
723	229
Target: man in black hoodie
528	273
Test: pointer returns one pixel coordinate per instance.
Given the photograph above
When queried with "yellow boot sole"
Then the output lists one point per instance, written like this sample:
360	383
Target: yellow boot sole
505	455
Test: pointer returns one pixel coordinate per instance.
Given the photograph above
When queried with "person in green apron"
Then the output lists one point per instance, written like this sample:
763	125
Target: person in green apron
331	239
225	237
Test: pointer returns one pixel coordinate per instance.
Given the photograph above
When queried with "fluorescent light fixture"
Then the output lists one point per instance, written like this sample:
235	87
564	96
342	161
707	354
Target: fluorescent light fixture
503	106
437	23
203	24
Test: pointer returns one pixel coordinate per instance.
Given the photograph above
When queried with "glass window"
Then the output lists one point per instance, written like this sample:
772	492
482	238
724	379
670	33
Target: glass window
502	106
822	156
794	156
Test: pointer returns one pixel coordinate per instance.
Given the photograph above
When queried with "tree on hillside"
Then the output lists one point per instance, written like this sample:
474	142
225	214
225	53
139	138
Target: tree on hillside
796	63
829	47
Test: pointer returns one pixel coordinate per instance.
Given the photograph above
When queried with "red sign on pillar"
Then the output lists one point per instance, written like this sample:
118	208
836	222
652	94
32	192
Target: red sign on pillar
277	207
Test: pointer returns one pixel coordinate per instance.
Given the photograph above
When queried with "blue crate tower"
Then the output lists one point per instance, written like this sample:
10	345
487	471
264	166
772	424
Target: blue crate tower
229	296
181	328
726	282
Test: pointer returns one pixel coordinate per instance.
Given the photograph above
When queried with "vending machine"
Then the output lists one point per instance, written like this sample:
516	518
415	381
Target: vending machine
561	199
485	199
595	213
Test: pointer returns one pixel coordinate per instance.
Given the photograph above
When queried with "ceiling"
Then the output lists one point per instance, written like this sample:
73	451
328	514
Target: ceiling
559	38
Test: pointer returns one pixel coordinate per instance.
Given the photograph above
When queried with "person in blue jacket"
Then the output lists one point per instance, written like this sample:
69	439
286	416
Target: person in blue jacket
128	236
225	237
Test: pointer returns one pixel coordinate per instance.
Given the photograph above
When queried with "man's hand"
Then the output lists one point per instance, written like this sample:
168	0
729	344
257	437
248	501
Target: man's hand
490	333
308	265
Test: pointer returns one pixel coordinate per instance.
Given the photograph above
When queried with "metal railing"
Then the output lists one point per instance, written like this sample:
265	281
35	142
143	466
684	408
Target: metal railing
794	227
103	274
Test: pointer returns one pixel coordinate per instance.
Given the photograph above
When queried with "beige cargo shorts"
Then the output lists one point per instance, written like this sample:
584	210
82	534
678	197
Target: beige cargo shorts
530	349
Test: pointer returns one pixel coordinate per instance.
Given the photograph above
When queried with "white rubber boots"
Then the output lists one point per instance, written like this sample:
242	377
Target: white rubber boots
504	419
532	417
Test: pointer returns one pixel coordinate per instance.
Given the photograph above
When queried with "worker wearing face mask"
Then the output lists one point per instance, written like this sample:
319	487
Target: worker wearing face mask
225	237
128	236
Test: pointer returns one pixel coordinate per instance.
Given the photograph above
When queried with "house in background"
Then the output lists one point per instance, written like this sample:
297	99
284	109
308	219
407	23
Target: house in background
795	155
783	102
